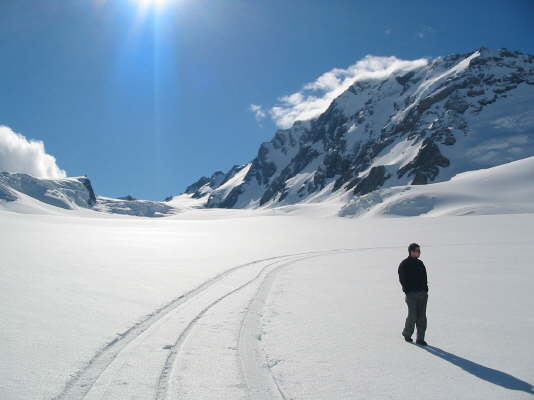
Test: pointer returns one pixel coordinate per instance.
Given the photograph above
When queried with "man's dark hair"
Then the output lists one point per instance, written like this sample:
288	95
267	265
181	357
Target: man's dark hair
413	247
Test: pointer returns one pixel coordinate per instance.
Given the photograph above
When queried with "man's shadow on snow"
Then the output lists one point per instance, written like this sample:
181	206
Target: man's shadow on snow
488	374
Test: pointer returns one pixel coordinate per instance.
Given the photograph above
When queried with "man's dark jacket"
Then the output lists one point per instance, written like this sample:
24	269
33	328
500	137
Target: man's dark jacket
412	275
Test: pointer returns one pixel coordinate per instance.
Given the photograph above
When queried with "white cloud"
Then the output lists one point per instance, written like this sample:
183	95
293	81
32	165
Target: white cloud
258	111
315	97
18	154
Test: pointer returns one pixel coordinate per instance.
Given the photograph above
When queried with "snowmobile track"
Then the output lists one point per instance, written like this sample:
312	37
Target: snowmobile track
185	374
81	382
255	370
163	385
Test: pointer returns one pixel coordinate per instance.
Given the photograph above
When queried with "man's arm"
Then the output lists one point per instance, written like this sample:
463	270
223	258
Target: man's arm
426	280
402	276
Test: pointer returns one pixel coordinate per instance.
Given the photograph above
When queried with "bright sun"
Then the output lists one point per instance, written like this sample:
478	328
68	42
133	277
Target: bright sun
152	3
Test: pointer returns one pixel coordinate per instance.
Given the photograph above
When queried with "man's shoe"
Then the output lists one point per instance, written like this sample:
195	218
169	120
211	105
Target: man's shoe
421	342
408	339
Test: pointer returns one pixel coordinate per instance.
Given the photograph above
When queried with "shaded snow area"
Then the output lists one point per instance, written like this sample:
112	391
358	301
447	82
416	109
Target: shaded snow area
239	304
503	189
141	208
37	194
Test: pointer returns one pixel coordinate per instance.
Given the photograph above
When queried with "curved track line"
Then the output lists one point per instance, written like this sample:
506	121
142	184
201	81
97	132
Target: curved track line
258	376
255	369
81	382
165	376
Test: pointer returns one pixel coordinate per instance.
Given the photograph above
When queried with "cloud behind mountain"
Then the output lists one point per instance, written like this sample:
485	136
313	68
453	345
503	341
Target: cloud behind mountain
19	154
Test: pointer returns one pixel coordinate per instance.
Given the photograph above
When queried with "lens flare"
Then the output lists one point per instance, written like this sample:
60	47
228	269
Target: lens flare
151	3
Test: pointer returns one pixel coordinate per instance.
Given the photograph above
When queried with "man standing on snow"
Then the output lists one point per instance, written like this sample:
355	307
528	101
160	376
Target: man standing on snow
412	276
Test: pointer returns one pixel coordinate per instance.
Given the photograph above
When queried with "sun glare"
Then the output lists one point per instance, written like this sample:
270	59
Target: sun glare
152	3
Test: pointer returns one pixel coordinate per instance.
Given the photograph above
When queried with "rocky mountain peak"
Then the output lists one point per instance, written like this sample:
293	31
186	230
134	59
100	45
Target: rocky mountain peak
418	125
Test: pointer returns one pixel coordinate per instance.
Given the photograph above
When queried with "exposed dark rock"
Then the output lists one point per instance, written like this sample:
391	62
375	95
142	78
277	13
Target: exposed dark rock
491	80
424	167
404	79
478	61
6	193
261	167
485	102
474	93
444	136
504	89
375	179
92	197
436	97
328	128
456	104
233	171
217	179
335	164
277	186
230	200
297	164
353	183
128	197
197	185
319	178
507	53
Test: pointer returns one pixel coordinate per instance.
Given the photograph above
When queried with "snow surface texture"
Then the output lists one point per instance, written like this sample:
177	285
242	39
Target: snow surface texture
233	304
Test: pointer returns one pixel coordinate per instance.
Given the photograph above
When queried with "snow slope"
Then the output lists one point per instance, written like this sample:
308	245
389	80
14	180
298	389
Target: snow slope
235	304
66	193
505	189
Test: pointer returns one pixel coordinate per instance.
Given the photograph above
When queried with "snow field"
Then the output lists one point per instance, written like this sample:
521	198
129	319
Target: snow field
137	308
334	325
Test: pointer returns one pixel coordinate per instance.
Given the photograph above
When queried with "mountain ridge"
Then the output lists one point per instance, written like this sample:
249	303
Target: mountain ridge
424	116
425	122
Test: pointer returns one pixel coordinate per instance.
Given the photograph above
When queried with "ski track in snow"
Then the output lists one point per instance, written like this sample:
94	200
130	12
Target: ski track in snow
140	362
205	341
255	368
163	385
171	379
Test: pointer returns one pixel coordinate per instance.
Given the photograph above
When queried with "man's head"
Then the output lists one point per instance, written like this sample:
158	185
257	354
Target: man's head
414	250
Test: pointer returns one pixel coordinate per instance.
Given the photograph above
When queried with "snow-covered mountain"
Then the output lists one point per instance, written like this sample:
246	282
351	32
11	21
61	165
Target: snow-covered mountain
424	123
67	193
421	124
26	194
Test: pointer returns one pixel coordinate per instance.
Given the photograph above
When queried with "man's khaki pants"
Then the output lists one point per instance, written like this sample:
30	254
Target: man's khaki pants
416	314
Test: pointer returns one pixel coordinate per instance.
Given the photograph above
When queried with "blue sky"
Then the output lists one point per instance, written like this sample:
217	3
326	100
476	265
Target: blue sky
145	105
